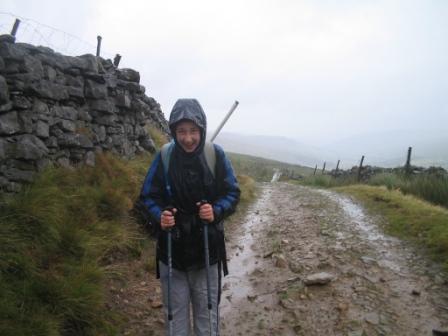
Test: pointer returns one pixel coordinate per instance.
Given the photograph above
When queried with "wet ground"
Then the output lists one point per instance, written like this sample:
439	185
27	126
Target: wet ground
374	284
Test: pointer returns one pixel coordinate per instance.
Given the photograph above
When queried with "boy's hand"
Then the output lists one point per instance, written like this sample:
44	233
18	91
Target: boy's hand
206	212
167	219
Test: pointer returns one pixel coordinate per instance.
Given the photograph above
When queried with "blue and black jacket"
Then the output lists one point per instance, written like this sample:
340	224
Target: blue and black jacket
191	181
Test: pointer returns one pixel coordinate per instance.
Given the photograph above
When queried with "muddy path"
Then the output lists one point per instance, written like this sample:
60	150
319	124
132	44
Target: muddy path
294	237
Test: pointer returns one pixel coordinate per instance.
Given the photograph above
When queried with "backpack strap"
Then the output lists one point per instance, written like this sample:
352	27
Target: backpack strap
210	156
165	153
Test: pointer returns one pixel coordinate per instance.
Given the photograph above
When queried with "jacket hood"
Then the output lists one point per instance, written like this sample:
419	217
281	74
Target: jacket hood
188	109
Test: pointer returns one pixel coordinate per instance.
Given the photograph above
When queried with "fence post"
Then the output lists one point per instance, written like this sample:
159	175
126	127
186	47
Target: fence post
323	168
117	60
315	168
360	168
15	27
98	46
337	167
408	161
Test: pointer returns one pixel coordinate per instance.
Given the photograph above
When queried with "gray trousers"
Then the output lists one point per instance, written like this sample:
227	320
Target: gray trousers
190	288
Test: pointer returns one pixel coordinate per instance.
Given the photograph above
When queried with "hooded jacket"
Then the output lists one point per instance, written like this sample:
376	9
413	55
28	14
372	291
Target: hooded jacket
191	181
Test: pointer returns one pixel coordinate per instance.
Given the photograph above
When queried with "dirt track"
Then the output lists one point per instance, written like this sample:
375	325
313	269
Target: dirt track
378	285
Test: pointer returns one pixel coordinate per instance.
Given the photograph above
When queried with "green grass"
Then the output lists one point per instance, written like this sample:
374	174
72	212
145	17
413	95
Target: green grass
57	239
430	187
407	216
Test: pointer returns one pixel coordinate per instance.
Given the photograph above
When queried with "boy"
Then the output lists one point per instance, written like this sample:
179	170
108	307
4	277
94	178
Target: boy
184	197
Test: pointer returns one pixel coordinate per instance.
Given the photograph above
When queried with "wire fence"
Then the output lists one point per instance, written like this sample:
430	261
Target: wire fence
36	33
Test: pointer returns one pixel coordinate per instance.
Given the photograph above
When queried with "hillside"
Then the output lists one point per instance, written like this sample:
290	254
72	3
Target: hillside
386	149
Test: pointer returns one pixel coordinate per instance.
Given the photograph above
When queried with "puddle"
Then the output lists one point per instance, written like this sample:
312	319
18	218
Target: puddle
237	285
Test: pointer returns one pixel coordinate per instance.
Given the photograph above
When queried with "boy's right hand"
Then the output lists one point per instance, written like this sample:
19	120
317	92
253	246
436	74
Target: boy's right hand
167	219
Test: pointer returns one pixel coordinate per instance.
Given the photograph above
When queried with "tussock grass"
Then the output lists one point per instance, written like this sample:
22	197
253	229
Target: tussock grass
248	189
157	136
407	216
55	241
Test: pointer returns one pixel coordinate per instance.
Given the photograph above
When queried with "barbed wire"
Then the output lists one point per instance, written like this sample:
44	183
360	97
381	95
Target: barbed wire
37	33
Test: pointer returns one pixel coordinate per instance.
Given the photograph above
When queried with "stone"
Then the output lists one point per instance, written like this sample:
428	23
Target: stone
64	112
89	159
17	175
4	91
26	121
147	143
100	131
280	261
9	123
3	145
84	115
123	100
107	120
49	73
9	51
321	278
33	65
75	92
89	63
40	108
7	38
66	125
111	80
130	86
372	318
84	141
20	102
27	147
94	90
69	140
104	105
47	89
129	75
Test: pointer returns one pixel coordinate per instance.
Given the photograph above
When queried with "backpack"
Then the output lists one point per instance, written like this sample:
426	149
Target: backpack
139	210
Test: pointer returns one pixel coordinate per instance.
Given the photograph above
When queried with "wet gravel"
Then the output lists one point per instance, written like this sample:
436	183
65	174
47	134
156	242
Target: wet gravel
375	284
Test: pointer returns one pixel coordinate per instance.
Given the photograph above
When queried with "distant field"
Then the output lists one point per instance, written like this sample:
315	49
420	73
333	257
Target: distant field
263	169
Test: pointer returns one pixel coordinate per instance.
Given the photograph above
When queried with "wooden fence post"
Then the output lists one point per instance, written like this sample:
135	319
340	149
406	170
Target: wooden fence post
337	166
98	46
408	162
323	168
360	168
117	60
315	168
15	27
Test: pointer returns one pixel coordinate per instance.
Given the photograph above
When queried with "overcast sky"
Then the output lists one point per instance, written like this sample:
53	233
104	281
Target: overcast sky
313	70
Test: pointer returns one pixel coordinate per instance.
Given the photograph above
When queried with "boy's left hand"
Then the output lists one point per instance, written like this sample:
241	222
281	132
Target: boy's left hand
206	212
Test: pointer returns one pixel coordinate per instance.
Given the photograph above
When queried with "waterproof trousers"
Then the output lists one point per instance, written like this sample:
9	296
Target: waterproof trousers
189	289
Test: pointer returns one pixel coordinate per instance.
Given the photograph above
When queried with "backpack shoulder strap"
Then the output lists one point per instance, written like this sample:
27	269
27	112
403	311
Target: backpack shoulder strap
165	153
210	156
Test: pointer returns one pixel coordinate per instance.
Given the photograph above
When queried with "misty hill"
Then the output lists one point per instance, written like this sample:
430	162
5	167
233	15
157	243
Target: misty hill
386	149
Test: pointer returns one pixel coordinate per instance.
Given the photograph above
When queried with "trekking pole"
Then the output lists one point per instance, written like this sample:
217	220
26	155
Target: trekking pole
170	276
235	104
207	267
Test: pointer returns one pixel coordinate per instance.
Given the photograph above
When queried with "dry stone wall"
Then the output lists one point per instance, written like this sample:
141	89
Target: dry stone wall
62	110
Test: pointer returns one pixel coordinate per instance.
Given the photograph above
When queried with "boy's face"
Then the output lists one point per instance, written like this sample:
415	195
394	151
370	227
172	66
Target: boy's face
188	135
